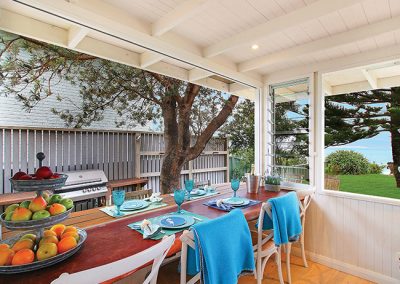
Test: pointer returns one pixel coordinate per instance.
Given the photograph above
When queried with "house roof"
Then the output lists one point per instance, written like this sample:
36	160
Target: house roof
230	45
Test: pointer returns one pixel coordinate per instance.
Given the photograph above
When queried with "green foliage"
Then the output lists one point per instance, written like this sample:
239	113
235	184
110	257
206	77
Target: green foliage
236	173
347	162
273	180
375	168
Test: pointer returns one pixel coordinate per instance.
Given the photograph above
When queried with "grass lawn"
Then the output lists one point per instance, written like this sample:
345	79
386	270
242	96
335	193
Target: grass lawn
378	185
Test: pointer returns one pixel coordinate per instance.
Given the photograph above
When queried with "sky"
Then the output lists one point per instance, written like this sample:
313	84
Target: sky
377	149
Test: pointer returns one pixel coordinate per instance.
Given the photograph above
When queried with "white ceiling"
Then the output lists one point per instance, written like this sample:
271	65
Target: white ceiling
215	35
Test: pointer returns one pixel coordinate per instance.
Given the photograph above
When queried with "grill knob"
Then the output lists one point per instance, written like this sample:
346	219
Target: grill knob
84	190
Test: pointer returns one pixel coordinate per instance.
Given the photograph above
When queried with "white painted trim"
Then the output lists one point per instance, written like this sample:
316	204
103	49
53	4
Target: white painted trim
149	58
347	268
287	55
198	74
361	197
365	85
259	125
76	35
295	18
372	80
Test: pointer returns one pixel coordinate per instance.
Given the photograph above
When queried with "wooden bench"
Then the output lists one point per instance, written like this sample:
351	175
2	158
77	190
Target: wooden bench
138	182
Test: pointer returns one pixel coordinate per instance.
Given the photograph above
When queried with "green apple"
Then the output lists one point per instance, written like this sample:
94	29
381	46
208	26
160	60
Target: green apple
55	198
41	214
8	216
46	251
68	203
11	208
25	204
29	236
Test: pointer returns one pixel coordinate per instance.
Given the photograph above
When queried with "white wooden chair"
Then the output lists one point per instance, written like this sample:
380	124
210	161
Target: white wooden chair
187	239
305	197
118	268
265	246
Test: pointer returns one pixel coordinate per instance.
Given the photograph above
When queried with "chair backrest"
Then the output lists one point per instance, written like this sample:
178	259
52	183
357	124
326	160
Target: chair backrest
138	194
305	196
113	271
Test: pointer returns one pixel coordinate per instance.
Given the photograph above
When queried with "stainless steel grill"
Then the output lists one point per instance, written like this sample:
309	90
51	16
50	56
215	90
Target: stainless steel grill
88	189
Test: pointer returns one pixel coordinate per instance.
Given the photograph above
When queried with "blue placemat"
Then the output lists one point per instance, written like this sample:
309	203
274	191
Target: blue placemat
227	207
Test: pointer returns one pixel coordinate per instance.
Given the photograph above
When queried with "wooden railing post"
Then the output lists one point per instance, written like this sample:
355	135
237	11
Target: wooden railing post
138	139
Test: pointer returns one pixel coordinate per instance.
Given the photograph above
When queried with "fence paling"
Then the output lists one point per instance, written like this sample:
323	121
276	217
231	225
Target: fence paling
120	155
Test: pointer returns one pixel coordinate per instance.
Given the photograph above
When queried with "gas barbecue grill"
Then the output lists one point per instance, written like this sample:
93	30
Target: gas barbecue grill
88	189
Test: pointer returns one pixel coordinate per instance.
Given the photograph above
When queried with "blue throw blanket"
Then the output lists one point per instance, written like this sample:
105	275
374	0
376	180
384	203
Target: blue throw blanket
223	249
285	218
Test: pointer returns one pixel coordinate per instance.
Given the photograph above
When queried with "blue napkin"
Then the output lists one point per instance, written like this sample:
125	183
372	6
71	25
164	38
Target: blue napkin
285	218
223	249
228	207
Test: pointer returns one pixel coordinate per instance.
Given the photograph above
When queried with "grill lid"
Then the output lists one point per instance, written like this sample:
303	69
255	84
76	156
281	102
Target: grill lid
81	179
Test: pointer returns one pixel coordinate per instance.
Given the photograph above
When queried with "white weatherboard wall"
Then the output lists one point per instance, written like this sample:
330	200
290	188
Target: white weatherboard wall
356	236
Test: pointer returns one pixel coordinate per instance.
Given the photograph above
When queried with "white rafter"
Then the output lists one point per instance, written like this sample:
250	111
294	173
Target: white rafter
295	18
76	35
372	80
182	12
148	58
96	18
198	74
363	32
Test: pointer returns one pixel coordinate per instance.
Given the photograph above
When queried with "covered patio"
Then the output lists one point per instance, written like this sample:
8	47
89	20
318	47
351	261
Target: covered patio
266	51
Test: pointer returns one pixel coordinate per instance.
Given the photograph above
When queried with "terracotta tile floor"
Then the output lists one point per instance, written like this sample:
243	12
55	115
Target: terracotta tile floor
314	274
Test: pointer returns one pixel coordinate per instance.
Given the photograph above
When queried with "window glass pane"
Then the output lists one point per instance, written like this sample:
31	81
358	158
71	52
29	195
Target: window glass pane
289	142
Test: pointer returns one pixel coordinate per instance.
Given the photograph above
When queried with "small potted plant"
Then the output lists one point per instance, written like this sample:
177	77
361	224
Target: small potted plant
273	183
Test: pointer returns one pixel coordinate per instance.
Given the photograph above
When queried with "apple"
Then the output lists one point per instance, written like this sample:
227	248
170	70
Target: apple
6	256
55	175
11	208
25	204
37	204
55	198
48	239
68	203
25	177
8	216
41	214
29	236
18	175
21	214
56	209
46	251
43	173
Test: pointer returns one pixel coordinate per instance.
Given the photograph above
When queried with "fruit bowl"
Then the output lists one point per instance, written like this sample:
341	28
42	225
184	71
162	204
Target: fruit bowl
12	269
34	224
42	184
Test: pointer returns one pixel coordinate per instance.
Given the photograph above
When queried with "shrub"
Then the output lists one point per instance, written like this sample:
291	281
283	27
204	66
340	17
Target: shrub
347	162
375	168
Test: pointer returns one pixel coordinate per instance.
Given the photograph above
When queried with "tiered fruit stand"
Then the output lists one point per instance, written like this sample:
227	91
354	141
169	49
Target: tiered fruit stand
37	227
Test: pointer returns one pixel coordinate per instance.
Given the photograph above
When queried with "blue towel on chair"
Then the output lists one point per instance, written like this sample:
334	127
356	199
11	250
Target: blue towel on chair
285	218
223	249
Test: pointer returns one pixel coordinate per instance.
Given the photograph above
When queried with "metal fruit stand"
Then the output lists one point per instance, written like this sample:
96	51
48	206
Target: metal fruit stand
38	226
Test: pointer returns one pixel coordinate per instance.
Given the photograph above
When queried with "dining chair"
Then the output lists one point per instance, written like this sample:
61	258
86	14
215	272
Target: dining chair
305	196
264	246
111	272
138	194
187	239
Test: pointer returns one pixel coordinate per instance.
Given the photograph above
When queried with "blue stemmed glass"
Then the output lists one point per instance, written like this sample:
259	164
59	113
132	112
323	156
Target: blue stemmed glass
189	185
179	197
118	199
235	183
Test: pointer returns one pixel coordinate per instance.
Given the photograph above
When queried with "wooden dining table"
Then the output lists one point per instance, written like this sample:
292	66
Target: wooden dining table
110	239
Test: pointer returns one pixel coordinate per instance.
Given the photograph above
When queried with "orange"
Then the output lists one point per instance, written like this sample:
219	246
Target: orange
23	256
58	229
66	244
23	244
6	255
4	246
70	229
71	234
48	233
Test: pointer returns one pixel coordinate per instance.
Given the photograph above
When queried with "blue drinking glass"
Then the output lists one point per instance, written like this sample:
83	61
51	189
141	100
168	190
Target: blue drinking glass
189	185
179	197
235	183
118	199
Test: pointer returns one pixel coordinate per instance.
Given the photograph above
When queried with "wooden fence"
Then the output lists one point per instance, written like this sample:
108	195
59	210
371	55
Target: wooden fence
120	154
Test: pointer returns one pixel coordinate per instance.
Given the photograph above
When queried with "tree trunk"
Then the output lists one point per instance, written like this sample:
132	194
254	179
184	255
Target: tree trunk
395	132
